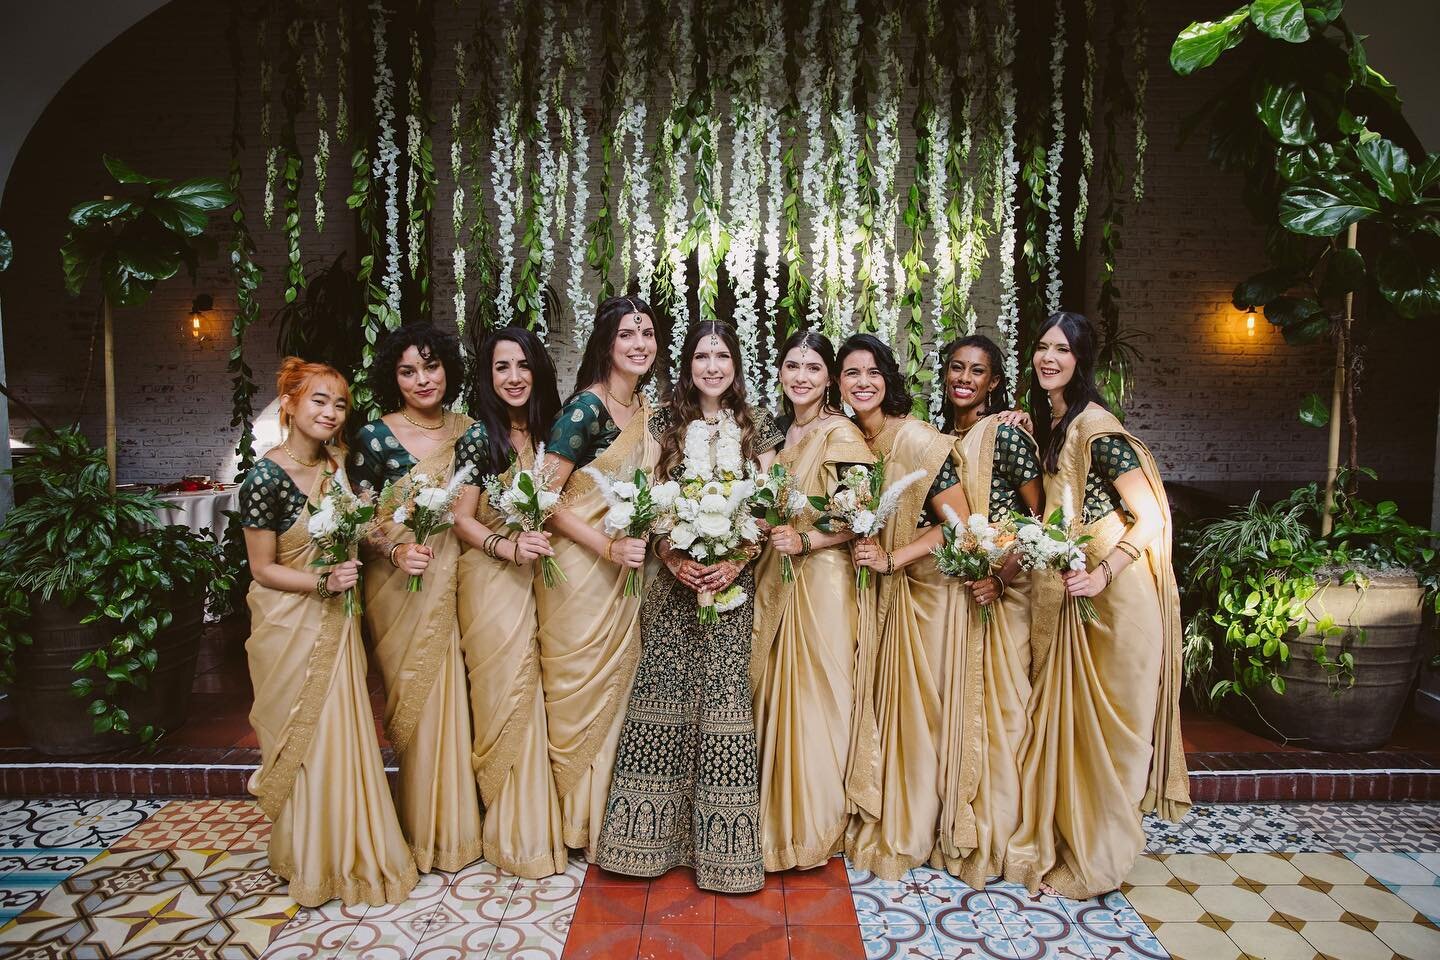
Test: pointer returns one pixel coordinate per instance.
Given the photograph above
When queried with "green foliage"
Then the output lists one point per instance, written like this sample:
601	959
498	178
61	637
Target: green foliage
7	251
247	275
136	241
73	542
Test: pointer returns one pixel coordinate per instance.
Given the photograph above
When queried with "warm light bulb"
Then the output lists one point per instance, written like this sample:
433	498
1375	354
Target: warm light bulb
195	325
1250	323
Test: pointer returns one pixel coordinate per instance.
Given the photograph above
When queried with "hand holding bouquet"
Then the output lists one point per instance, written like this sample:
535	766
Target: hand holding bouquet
863	504
423	508
780	503
338	522
636	509
527	503
1049	545
973	549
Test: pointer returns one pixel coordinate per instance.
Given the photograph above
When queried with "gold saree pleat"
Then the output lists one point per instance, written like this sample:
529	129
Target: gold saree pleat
1103	745
998	716
589	634
804	658
416	643
510	756
926	682
321	779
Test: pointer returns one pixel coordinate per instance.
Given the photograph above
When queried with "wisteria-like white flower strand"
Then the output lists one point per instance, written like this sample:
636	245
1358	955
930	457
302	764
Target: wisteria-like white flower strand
1008	171
386	167
1087	137
457	197
582	305
943	286
884	250
1053	159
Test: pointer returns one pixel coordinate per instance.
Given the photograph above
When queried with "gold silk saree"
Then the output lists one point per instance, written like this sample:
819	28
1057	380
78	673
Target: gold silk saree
321	779
589	634
415	639
806	654
502	657
1103	746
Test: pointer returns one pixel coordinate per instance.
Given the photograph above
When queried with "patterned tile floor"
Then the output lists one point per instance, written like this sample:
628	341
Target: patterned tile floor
188	879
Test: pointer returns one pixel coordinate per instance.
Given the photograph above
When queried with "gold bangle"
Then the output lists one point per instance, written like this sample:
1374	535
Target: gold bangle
889	563
1129	549
804	544
1109	574
514	548
322	587
609	545
393	548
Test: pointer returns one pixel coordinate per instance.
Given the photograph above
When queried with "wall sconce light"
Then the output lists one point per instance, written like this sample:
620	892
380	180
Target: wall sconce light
201	305
1250	322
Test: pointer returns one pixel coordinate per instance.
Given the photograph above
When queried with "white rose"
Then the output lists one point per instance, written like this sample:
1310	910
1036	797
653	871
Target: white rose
665	495
749	529
714	503
322	522
1078	563
624	490
547	499
687	509
844	501
1028	533
864	523
432	498
401	515
742	490
420	479
682	536
712	525
619	517
799	503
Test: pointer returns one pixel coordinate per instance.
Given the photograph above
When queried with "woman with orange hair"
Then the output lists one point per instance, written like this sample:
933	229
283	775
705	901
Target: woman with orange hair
321	780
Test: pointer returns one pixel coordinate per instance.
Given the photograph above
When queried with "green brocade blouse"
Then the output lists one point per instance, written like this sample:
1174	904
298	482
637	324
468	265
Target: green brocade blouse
1016	464
379	457
269	499
1110	456
583	430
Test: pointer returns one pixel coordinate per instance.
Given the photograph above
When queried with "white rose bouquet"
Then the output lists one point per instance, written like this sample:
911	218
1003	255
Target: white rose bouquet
422	507
974	549
1050	545
864	504
637	508
339	520
527	503
779	502
711	517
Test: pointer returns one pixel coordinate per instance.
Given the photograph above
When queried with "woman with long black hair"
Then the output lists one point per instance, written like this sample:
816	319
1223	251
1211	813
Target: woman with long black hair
1103	745
517	402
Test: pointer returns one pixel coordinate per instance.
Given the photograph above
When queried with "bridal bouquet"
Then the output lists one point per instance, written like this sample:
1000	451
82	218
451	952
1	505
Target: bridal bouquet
973	549
777	500
527	503
636	509
1049	545
711	518
863	504
338	521
423	507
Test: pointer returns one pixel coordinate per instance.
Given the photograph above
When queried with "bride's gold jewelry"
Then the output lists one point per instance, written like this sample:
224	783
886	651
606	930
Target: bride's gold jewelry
285	445
423	426
819	409
610	396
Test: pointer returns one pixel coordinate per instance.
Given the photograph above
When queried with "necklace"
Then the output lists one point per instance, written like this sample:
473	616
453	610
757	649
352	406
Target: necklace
627	406
871	436
819	409
284	445
423	426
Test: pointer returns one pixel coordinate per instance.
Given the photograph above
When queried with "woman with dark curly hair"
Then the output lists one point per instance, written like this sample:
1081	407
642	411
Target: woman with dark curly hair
922	670
417	372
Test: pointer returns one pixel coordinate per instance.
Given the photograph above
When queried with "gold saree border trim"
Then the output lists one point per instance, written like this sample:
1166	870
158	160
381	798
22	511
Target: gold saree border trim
349	890
492	773
609	460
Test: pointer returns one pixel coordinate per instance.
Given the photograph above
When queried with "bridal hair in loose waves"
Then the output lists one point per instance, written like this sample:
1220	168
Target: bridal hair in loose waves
433	344
995	399
294	379
817	341
492	410
897	401
595	363
685	398
1079	392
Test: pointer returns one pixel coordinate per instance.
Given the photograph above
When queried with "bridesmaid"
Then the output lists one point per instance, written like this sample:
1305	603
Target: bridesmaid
686	790
589	630
321	779
803	665
999	468
518	401
415	636
1103	745
927	671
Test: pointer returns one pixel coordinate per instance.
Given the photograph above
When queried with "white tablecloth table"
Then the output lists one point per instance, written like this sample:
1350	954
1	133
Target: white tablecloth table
201	510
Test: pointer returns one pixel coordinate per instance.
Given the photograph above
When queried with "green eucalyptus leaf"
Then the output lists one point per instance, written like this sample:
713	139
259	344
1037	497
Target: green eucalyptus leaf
1389	165
1314	412
1285	112
1326	205
1281	19
1200	44
124	173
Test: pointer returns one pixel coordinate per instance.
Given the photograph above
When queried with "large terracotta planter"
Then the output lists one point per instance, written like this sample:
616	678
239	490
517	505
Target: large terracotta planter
56	722
1312	712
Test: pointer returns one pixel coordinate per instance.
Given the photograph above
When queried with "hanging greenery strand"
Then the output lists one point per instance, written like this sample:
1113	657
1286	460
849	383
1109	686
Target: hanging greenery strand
320	60
480	123
293	100
770	169
670	282
458	172
243	268
576	47
385	169
1087	124
916	269
419	179
507	153
1007	169
1116	351
635	158
884	252
797	287
271	151
601	249
342	66
1142	85
813	197
965	213
843	186
1053	160
538	243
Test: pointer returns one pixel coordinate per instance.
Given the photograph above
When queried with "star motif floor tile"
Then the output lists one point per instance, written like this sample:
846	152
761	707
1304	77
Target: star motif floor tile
201	825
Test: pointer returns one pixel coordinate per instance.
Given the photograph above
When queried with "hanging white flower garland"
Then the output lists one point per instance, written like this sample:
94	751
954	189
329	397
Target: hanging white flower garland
943	286
457	197
884	252
811	95
1007	170
744	220
582	305
322	120
507	153
845	55
546	186
1087	119
1053	159
386	167
769	160
673	146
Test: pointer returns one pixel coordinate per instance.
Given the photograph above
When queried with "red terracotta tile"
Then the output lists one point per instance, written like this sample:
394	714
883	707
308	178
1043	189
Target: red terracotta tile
611	905
749	909
765	942
602	941
825	942
682	877
597	876
676	905
805	907
678	942
832	874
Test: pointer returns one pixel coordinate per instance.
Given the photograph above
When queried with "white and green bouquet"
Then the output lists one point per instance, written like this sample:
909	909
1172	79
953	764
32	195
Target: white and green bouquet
864	504
422	506
974	548
779	502
338	521
636	508
526	503
1049	545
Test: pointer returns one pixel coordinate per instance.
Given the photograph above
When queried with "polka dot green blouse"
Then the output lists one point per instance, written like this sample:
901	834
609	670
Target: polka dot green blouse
269	499
945	478
380	459
1016	464
582	431
1110	456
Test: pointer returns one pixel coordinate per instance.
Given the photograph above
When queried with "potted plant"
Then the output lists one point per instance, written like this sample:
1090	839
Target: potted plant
98	603
1284	619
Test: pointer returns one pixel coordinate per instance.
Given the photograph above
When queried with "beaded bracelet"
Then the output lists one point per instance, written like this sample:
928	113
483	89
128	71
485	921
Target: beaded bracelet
889	563
322	588
1129	549
804	544
514	548
1109	574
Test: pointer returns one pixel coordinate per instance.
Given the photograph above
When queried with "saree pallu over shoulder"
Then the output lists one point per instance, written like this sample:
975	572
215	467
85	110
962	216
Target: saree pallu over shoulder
589	637
806	648
1104	740
510	755
416	643
319	752
926	675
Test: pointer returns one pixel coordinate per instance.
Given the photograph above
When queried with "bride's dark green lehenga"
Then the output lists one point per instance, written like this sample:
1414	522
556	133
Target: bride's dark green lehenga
686	785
